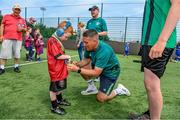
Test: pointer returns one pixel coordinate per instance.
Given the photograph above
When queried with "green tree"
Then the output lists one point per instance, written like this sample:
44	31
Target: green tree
45	31
1	18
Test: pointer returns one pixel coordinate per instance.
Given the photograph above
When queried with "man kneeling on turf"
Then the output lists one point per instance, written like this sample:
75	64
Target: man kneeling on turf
99	61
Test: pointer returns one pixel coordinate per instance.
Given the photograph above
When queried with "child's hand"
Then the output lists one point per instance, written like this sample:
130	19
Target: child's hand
68	56
72	67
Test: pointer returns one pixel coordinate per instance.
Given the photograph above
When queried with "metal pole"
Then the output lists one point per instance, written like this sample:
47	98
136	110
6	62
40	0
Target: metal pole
78	20
58	20
43	9
43	18
101	9
25	13
125	32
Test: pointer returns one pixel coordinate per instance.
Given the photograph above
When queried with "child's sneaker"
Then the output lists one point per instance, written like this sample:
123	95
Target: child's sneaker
58	110
64	102
39	59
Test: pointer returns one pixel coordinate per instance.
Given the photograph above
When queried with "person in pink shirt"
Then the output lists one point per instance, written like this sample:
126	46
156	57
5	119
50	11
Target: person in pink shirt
12	28
39	45
29	46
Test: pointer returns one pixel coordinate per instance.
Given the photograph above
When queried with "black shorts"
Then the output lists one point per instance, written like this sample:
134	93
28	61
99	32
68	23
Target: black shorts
58	86
107	84
158	65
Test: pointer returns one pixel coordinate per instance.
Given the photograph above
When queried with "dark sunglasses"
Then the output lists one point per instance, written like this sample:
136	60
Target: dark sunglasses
17	9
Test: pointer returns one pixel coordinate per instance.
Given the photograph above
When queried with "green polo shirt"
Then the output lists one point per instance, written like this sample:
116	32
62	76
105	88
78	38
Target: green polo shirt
97	24
104	57
155	14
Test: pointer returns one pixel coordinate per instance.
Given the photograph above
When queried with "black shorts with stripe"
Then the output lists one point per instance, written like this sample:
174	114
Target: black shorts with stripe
158	65
58	86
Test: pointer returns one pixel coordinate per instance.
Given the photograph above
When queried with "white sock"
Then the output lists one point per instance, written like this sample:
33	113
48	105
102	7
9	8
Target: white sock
91	84
2	66
16	65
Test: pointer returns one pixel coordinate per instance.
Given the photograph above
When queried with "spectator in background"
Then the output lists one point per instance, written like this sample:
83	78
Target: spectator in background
29	46
39	45
31	24
126	49
97	23
80	45
12	27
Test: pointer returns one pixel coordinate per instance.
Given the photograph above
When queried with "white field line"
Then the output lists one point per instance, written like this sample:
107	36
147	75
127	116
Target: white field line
36	62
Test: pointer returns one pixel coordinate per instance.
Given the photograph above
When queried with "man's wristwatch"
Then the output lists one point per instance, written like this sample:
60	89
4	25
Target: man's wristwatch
79	70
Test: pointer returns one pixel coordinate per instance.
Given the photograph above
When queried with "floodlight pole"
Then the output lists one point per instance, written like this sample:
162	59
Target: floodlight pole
101	9
43	9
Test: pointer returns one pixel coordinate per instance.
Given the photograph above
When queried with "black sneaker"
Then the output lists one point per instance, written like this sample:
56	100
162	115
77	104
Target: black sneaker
143	116
64	102
58	110
2	71
17	70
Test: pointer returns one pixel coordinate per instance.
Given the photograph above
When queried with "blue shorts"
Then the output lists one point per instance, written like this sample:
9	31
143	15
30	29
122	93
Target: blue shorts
107	84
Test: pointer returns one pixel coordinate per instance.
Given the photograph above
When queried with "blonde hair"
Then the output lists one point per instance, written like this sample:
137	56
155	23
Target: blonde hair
81	25
68	30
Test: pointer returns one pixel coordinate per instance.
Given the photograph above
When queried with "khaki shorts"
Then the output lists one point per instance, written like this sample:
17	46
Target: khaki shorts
10	48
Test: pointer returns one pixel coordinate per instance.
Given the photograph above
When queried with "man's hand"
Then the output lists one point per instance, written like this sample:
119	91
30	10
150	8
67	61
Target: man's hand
72	67
157	50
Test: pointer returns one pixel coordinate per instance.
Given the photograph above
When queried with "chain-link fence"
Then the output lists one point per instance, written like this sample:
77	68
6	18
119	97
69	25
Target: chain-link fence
119	28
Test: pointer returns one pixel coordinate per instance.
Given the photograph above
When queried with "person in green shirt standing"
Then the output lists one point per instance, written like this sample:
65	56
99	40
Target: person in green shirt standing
99	61
97	23
158	42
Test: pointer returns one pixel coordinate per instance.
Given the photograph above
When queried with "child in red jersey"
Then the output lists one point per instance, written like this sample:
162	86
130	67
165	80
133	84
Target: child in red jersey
57	66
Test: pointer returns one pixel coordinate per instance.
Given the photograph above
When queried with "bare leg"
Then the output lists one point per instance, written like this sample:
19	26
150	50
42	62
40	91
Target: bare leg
152	85
101	97
16	60
52	96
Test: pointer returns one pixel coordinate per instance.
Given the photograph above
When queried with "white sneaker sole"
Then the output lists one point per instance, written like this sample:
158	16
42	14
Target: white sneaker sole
89	93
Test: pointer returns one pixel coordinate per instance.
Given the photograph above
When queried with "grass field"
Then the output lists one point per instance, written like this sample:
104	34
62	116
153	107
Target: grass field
25	95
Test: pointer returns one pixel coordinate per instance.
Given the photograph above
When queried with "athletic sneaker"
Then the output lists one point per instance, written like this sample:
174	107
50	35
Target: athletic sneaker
143	116
124	90
64	102
58	110
16	69
90	91
2	71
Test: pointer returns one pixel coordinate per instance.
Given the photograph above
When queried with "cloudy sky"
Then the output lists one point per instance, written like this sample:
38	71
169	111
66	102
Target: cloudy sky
75	8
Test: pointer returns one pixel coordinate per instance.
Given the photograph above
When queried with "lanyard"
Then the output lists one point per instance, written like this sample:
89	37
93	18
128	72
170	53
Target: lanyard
59	42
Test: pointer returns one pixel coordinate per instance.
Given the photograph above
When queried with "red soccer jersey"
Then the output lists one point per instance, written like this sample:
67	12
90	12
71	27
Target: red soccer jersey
57	68
11	24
